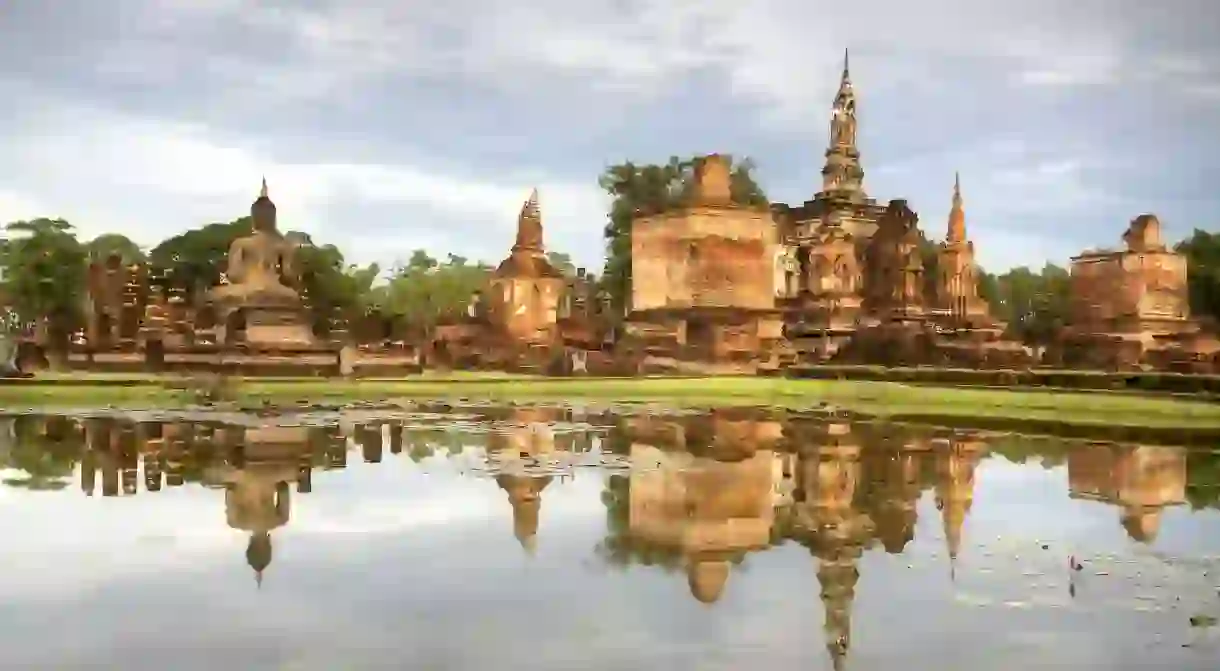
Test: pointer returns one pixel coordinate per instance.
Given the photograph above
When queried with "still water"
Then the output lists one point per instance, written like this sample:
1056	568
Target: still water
548	538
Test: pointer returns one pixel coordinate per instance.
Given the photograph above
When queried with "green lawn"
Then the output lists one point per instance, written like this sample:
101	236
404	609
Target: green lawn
879	399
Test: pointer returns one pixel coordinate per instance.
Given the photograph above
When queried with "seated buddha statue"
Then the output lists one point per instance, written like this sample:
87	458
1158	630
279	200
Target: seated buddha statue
259	262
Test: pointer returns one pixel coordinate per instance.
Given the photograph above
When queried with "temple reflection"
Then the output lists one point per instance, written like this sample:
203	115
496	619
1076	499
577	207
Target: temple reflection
831	524
711	498
956	465
256	482
1141	480
515	448
723	488
705	493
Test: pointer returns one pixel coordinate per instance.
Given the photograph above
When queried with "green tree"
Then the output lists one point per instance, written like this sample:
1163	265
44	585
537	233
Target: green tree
45	452
562	262
335	288
106	244
425	291
197	257
1035	305
44	275
989	288
641	190
1202	252
1203	479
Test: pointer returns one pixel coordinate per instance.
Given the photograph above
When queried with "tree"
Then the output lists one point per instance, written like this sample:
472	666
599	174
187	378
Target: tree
335	288
988	288
108	244
1203	479
46	451
45	275
197	257
641	190
1202	252
425	291
562	262
1035	305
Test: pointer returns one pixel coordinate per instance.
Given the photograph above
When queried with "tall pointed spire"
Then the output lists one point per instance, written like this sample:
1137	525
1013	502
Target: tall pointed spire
842	175
529	226
262	192
957	215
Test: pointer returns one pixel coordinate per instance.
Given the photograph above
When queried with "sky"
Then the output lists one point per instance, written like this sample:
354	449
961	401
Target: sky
384	126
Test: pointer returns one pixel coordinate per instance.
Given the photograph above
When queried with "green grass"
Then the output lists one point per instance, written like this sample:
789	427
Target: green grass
880	399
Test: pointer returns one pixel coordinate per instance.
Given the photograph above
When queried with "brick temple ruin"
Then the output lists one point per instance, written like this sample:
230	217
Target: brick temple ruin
1130	309
841	278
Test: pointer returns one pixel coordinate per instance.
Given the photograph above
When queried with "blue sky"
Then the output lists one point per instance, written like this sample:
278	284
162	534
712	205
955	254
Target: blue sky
386	126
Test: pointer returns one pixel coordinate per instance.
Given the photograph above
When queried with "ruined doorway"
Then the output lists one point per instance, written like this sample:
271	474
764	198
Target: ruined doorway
102	332
700	338
154	354
235	327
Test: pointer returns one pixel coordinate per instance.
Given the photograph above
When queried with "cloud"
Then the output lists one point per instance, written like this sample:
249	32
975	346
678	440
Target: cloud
396	125
138	167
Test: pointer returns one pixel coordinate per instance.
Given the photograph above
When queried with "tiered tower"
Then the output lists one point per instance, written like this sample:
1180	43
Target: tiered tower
843	176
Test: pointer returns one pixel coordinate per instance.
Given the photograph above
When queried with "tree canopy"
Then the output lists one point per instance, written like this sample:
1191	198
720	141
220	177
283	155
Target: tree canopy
1034	304
45	270
197	257
108	244
1202	251
426	291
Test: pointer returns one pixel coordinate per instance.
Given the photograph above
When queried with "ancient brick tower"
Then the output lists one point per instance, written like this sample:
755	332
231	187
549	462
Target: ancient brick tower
842	176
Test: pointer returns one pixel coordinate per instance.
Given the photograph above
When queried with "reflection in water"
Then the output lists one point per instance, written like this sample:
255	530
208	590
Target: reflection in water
704	493
1141	481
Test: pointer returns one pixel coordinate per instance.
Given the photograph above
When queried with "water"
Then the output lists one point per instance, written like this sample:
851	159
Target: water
551	539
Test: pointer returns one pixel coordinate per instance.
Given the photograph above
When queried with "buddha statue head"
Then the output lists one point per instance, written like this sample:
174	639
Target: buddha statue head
262	211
